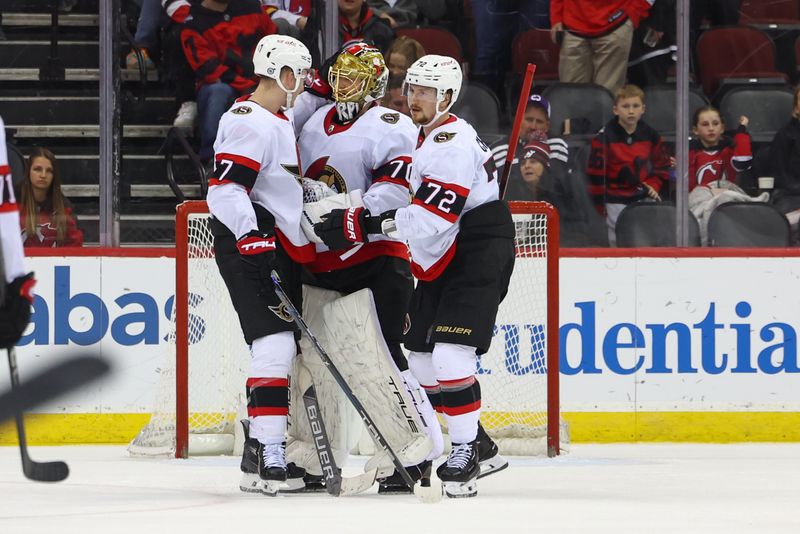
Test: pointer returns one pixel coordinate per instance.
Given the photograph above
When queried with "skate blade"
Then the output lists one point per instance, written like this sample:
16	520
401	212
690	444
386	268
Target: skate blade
460	490
270	488
292	485
250	483
492	465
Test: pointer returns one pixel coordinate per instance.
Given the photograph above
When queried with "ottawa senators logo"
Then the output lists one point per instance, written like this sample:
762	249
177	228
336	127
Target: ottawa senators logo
443	137
391	118
320	170
241	110
282	312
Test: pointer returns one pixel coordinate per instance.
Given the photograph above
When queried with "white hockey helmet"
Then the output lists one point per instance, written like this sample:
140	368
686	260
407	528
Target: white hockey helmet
274	52
443	73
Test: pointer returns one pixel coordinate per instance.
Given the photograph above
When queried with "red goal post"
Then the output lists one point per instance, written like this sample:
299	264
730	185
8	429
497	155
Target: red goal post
201	394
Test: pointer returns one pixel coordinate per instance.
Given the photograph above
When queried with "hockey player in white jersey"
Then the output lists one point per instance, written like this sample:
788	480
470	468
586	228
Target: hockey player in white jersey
15	285
358	147
461	238
256	200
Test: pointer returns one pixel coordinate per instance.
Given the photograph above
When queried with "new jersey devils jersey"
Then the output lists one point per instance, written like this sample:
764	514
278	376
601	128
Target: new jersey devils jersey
256	160
721	162
373	154
10	239
453	173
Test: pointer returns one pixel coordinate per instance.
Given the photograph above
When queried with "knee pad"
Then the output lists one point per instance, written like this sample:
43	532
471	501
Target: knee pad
452	362
421	366
272	355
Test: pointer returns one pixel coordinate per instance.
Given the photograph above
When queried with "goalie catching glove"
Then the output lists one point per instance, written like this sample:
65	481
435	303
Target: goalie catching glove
343	228
257	251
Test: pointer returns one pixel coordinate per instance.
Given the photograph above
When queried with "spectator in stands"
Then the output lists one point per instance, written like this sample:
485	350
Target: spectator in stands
714	12
46	216
496	25
431	11
595	38
398	13
628	160
528	184
146	36
785	151
653	47
401	54
714	156
357	21
218	39
394	98
289	16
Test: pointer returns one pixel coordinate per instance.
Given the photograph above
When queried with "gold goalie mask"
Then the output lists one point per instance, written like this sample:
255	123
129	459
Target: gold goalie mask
357	77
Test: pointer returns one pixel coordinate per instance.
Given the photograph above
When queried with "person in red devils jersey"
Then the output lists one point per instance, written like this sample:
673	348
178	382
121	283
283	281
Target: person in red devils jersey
354	144
16	286
714	156
461	238
256	202
628	161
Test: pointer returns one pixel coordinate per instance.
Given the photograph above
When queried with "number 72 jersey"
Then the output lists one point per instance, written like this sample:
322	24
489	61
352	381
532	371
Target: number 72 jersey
452	173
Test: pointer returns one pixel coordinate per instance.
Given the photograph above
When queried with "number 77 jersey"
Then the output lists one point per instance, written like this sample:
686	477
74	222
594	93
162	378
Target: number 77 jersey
453	172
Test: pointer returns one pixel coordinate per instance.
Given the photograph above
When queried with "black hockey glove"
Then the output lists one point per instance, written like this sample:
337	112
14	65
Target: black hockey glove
257	250
15	311
344	228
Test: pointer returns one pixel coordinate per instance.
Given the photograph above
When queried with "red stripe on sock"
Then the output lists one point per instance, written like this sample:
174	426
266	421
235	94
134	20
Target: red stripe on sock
267	410
461	410
267	382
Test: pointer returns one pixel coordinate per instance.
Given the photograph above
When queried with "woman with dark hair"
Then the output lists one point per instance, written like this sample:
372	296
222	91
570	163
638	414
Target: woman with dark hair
45	213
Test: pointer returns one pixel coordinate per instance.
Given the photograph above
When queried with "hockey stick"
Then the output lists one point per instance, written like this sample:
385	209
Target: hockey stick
50	384
61	379
365	417
514	139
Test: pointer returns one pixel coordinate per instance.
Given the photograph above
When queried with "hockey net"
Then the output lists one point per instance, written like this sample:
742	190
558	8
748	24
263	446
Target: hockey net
201	395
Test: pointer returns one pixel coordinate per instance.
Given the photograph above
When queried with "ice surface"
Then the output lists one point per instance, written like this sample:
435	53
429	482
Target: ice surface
636	488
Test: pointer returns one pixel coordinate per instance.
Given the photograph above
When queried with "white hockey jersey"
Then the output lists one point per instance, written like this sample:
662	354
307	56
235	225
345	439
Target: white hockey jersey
373	154
10	238
256	160
453	172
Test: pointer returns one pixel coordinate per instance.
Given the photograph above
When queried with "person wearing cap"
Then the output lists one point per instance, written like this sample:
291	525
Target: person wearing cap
534	159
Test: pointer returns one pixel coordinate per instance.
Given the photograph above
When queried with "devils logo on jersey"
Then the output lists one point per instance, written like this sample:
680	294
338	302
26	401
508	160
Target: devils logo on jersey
320	170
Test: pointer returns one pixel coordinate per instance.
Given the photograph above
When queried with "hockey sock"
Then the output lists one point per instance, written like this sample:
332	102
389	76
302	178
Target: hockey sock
461	404
268	386
421	366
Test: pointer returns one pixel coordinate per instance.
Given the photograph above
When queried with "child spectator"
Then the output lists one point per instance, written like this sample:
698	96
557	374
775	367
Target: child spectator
714	156
394	97
218	39
357	21
628	161
45	213
401	54
785	150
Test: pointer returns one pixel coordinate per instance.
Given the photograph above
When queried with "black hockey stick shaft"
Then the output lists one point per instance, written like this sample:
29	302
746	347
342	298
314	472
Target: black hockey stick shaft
333	478
39	471
362	412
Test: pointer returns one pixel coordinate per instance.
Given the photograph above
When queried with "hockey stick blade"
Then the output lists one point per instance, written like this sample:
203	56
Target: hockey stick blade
337	376
333	479
44	387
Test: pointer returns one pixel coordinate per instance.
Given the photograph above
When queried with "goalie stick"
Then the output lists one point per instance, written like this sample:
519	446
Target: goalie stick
514	139
41	388
365	417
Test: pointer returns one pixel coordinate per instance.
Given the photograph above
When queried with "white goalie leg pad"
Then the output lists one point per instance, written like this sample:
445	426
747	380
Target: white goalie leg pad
313	211
341	420
426	412
359	351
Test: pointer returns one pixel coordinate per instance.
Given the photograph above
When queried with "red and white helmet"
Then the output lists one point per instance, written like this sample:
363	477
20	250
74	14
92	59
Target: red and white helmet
274	52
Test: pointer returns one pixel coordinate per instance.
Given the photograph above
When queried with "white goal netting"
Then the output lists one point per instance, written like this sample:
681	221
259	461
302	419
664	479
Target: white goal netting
210	383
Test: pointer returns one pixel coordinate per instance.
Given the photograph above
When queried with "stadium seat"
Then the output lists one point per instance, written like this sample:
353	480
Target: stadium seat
770	12
578	101
652	224
748	224
767	108
435	40
17	163
736	55
479	106
660	112
535	46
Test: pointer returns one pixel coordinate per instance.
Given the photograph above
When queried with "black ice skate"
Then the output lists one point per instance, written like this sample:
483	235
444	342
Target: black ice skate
251	481
394	483
459	474
272	467
488	454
